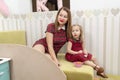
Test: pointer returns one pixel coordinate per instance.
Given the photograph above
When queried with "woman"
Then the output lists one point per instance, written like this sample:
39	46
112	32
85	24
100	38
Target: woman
56	35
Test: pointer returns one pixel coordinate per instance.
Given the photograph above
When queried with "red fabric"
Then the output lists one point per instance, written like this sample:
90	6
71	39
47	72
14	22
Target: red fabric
59	38
76	46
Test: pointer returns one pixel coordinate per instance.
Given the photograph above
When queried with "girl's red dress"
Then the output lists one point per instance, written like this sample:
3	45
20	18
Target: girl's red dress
76	46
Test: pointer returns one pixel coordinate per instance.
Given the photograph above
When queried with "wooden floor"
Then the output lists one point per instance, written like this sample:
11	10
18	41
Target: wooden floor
110	77
96	79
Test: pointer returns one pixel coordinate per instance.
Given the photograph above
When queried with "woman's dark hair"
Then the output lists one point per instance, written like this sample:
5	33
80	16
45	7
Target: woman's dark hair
68	24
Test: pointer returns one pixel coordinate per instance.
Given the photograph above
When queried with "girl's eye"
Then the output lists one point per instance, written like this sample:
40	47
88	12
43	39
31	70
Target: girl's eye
76	30
60	14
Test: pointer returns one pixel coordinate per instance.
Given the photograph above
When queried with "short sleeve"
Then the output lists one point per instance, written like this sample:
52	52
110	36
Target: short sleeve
50	28
70	40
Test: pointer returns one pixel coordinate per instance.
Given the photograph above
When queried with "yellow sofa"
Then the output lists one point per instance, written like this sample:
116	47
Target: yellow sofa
81	73
18	37
13	37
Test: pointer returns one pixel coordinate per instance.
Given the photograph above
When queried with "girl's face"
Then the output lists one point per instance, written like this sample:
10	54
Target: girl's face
76	32
62	17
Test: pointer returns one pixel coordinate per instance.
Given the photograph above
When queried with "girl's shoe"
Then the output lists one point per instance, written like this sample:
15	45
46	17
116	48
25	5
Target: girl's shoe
100	72
100	69
102	75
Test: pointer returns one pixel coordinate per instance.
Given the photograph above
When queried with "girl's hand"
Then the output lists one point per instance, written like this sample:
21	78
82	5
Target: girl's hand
85	53
80	51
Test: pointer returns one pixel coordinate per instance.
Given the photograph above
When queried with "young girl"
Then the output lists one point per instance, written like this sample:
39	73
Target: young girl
77	52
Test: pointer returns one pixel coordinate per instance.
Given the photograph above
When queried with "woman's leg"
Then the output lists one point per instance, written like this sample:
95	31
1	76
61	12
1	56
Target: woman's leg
39	48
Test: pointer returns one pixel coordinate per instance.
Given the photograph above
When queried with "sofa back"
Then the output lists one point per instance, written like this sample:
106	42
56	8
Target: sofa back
13	37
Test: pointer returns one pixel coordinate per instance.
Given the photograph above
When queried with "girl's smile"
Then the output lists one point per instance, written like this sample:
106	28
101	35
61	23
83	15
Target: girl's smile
75	35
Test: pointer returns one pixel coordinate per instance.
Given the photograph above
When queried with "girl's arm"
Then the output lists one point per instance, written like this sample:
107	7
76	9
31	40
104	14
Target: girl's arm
69	46
84	49
49	39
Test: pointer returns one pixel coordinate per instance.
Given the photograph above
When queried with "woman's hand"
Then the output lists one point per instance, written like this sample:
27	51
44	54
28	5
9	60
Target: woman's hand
57	62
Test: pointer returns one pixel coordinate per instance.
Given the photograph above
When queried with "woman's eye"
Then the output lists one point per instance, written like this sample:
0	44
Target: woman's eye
65	16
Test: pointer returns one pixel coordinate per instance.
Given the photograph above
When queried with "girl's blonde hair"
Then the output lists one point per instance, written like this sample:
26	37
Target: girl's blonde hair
68	24
81	37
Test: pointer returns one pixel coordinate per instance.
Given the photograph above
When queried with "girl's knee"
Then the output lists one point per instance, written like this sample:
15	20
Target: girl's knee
93	59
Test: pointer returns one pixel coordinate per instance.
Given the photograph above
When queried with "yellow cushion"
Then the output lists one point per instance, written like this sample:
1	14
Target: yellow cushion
73	73
13	37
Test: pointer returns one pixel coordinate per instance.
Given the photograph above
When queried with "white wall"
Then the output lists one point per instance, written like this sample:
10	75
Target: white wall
25	6
93	4
19	6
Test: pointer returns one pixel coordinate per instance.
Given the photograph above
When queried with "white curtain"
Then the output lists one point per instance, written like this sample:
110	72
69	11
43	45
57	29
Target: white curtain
101	28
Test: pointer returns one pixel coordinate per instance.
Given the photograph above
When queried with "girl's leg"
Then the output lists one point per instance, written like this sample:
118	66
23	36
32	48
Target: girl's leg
90	63
100	70
94	60
97	67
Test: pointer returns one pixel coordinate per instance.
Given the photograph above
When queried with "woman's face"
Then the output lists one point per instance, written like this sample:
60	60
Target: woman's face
62	17
76	32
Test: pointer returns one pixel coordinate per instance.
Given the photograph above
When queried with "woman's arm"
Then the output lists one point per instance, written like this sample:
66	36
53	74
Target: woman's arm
69	46
49	39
